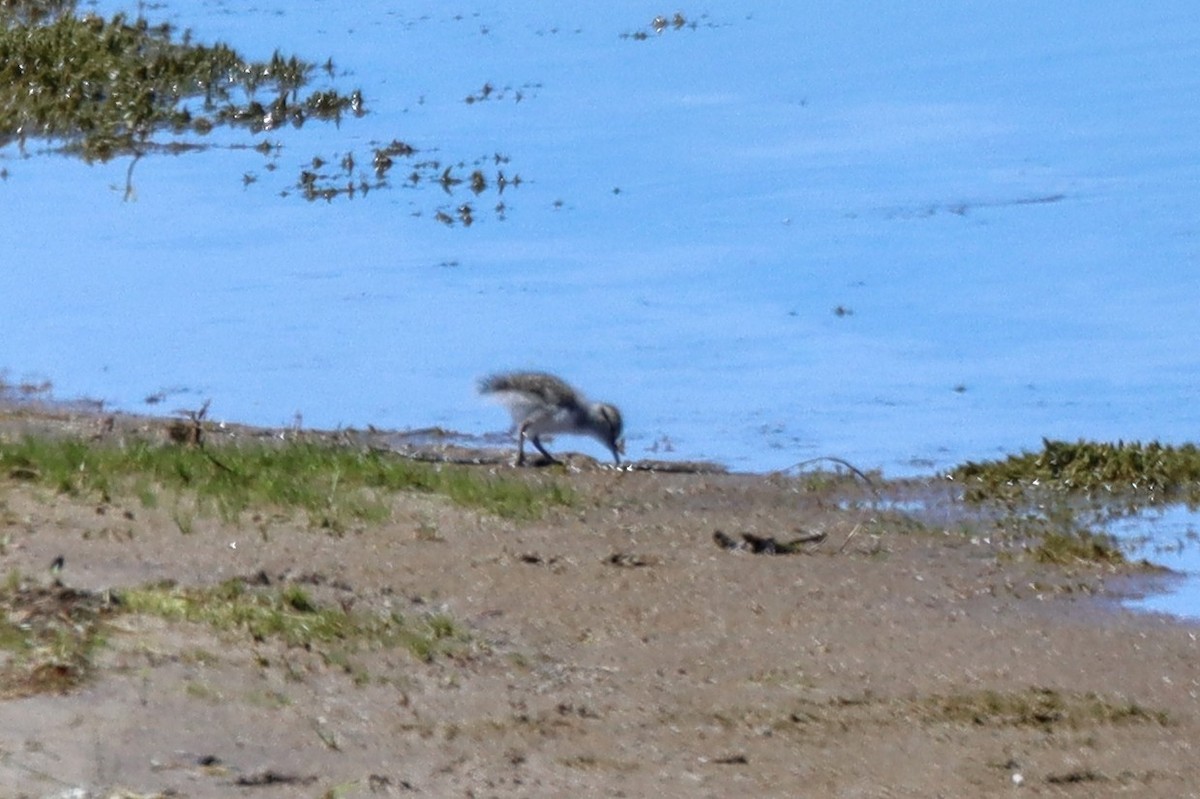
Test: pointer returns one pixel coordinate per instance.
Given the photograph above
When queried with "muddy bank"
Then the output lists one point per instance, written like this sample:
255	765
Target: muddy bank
604	642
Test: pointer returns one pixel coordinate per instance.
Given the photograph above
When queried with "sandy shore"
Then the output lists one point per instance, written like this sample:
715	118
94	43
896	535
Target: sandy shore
611	648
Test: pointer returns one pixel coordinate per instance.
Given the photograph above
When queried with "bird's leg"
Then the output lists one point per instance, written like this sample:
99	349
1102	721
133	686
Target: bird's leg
537	443
521	445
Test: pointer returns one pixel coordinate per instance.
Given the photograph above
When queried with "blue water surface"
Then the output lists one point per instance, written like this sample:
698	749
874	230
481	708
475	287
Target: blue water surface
905	235
1170	537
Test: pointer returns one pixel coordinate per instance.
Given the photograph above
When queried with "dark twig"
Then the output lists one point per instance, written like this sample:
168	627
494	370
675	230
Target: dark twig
191	432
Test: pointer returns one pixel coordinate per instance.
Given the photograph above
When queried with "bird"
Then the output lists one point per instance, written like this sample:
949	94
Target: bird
542	404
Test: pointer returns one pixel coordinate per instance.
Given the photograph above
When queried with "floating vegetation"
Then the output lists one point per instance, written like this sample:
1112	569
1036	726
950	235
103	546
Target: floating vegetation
344	177
664	23
659	24
102	88
1154	472
1058	502
489	92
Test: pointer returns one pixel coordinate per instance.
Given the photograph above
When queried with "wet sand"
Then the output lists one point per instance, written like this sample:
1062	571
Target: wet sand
615	649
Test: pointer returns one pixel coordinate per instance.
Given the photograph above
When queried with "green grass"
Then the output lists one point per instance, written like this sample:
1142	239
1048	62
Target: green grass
48	635
332	484
290	615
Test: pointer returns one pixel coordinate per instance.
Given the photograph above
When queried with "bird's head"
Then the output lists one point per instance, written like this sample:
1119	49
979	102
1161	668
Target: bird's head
611	427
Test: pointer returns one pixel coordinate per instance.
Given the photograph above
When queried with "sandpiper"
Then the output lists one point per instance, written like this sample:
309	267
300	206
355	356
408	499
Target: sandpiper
543	404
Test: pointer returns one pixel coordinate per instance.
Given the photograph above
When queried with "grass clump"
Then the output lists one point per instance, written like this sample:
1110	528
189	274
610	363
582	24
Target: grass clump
289	614
47	637
1151	469
1055	535
49	634
1051	498
1038	707
1080	546
333	485
109	87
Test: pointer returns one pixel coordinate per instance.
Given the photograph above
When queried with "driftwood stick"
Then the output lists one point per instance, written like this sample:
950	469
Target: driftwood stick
853	533
839	461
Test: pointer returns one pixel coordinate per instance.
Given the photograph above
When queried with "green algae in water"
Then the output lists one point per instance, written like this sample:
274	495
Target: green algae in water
1064	497
106	88
101	88
1155	472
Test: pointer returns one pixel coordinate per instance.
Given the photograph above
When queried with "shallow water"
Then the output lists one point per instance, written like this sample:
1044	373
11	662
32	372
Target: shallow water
1170	537
908	237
